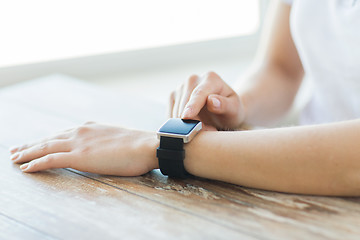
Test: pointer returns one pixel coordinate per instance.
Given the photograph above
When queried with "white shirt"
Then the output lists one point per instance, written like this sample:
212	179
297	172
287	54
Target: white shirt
327	36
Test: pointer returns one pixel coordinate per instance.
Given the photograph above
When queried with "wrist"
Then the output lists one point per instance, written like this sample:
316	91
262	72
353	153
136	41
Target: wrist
149	144
174	134
195	151
208	155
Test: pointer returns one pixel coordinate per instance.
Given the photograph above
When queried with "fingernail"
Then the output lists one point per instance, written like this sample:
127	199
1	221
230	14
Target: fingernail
24	166
216	103
15	156
13	149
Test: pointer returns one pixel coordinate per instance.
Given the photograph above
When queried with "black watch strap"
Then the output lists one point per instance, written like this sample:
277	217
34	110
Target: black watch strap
171	156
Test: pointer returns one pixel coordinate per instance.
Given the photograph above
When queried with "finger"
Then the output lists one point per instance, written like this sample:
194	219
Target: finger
171	104
218	104
64	135
211	85
189	87
177	101
55	160
41	150
13	149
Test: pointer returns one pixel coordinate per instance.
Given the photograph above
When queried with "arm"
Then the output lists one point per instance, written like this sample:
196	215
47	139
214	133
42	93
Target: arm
319	159
322	159
269	88
262	96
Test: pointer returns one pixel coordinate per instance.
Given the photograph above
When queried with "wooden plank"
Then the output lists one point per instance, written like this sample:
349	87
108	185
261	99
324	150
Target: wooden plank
12	229
66	205
264	214
270	214
23	129
36	125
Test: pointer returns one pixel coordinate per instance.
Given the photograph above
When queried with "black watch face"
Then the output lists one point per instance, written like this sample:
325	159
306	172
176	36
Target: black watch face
178	126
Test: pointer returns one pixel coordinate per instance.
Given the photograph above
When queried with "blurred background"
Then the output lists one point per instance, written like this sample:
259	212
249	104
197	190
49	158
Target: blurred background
140	46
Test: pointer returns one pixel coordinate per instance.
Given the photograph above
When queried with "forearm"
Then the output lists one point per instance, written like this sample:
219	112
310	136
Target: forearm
321	159
268	94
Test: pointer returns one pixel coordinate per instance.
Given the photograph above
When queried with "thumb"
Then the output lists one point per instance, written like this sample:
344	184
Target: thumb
218	104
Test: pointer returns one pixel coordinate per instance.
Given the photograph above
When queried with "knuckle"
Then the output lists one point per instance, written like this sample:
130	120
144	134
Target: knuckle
84	150
44	146
89	122
48	159
211	75
33	164
192	80
82	130
23	154
199	91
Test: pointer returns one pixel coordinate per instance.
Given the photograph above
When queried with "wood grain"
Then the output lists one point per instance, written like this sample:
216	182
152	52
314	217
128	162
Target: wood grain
293	216
12	229
219	209
69	206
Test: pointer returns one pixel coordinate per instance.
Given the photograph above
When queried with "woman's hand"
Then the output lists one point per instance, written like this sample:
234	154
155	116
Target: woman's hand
210	100
92	148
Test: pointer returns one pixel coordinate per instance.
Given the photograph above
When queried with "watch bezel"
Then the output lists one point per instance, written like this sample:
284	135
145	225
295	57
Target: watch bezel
186	138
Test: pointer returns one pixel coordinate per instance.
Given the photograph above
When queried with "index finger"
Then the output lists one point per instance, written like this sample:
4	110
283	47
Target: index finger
64	135
199	95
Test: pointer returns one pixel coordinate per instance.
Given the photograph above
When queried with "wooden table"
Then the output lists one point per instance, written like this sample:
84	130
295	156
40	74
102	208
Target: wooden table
68	204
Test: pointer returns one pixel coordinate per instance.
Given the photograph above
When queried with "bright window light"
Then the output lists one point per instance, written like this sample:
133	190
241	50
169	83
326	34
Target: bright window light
43	30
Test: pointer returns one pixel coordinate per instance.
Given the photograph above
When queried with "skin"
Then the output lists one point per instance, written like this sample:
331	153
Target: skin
318	159
120	152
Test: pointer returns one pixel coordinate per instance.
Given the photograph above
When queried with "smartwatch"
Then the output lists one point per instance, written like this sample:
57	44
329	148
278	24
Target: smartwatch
173	134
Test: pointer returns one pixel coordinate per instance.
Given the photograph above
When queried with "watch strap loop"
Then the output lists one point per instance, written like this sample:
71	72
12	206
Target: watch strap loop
176	155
